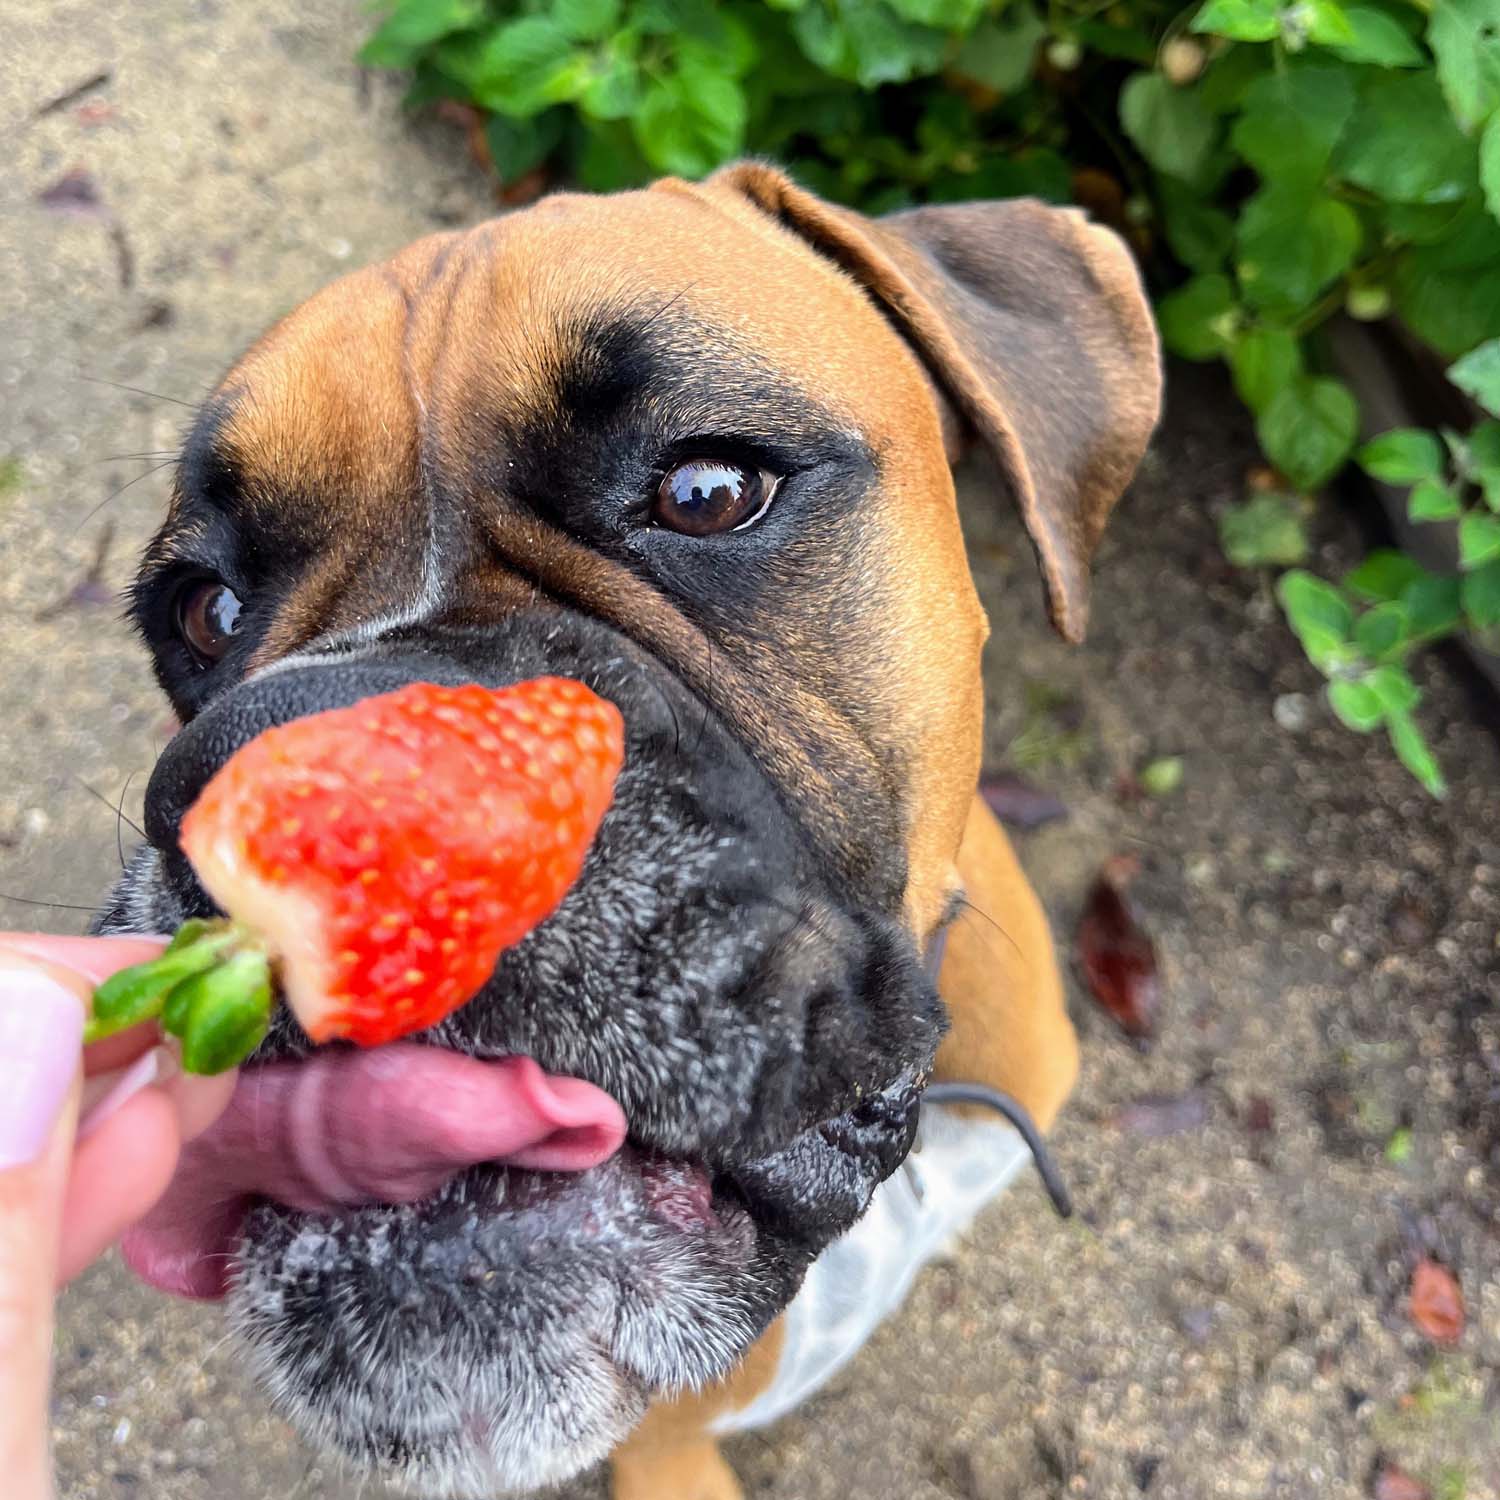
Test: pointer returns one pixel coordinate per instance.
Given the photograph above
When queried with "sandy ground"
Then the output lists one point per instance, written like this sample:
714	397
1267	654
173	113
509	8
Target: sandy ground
1227	1317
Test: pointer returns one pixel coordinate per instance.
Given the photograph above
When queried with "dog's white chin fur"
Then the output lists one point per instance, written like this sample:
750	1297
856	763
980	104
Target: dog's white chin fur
476	1432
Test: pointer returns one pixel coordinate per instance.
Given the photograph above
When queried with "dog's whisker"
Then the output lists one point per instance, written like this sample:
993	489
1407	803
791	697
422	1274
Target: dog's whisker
117	808
129	483
121	820
668	305
58	905
966	907
136	390
671	708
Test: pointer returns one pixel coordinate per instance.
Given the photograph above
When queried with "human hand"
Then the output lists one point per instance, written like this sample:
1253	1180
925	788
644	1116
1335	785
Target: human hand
88	1142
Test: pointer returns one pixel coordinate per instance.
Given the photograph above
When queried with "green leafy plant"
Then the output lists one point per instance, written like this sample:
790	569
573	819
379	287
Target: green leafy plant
1360	633
1274	163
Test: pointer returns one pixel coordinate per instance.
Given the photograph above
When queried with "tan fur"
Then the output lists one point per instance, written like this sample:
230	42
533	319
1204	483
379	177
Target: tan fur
1000	981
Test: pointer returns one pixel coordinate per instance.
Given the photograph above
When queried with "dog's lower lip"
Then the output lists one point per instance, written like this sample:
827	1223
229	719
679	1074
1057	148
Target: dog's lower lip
681	1194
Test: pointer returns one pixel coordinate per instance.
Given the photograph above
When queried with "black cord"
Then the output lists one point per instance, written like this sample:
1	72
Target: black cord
979	1093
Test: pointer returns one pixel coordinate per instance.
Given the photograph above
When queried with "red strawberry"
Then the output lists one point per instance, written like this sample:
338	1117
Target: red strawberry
383	856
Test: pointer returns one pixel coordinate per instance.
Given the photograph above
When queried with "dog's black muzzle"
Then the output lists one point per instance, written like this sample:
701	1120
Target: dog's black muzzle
706	969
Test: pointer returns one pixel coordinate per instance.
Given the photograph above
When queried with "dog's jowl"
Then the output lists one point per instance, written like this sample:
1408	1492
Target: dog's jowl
691	446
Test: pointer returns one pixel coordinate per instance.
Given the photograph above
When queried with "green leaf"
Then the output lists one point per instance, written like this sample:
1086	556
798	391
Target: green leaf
1393	686
1195	318
1480	461
1326	23
1161	777
586	20
691	121
1292	243
1264	532
1308	429
609	159
614	86
135	994
1169	125
1413	752
1447	309
1398	1149
1228	78
1292	120
1482	447
1315	609
1377	38
1384	574
1479	593
1201	236
998	52
1264	361
1478	373
415	25
225	1013
863	41
1489	164
1382	631
527	65
1403	145
1447	291
516	146
1356	705
1478	539
1402	456
951	15
1465	38
1240	20
1432	602
1432	500
1419	223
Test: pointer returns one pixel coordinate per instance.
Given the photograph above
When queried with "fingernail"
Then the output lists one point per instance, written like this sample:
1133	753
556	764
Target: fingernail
155	1066
41	1041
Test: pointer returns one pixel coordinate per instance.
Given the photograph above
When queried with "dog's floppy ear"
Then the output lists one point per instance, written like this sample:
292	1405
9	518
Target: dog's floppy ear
1033	323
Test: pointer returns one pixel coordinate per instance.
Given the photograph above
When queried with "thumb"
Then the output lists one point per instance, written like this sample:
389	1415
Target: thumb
41	1038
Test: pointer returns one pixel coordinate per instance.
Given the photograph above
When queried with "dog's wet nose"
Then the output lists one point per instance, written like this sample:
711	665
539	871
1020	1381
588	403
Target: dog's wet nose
198	749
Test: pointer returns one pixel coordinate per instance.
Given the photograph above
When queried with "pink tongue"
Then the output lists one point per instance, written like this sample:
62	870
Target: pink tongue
383	1126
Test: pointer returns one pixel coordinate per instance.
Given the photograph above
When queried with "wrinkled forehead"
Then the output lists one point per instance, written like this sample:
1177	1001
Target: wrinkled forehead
424	363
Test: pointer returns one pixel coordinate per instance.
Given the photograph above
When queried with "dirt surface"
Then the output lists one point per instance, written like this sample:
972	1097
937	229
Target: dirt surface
1228	1315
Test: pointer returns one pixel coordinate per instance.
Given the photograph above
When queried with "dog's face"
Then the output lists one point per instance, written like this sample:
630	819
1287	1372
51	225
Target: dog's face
690	446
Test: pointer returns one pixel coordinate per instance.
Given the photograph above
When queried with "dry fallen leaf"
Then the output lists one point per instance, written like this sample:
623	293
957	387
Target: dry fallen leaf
1392	1483
1117	957
1437	1302
76	194
91	587
1019	803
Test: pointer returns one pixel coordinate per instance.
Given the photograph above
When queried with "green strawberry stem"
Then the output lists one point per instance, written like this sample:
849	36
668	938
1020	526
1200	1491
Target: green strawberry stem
210	987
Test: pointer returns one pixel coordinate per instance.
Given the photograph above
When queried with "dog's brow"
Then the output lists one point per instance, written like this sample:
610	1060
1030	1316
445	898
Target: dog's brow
683	375
207	470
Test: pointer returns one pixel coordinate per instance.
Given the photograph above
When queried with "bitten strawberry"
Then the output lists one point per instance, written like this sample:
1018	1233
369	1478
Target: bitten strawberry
379	859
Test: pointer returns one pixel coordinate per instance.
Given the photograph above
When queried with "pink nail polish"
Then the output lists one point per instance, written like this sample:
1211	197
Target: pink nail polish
41	1040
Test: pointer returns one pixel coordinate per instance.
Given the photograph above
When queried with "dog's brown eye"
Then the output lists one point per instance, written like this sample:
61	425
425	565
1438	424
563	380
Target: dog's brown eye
208	614
704	495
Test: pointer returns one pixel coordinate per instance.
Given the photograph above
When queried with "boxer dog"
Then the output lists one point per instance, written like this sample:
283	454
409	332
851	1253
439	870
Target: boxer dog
690	445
